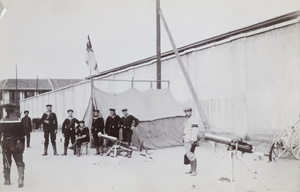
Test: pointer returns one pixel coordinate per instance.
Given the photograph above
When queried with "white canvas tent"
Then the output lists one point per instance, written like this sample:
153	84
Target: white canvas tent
160	114
161	117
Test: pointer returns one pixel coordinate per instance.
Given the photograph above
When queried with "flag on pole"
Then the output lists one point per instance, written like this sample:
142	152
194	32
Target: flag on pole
90	57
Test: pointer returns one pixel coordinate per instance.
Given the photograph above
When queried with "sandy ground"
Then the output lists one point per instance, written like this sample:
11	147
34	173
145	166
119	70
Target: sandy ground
165	172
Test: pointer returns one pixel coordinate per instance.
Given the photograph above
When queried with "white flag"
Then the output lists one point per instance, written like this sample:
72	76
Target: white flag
2	10
90	57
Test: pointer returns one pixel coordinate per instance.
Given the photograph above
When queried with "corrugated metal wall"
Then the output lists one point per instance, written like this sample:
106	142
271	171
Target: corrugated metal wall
248	85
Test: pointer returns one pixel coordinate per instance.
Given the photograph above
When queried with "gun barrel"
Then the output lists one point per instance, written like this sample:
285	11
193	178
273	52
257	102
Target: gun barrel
218	139
104	136
241	146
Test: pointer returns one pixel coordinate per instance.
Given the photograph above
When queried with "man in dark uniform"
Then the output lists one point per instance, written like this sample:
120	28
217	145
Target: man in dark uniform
82	135
128	123
49	122
98	126
68	130
112	125
26	123
13	134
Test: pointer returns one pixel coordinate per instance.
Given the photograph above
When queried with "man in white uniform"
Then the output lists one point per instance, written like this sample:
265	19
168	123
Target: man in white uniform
190	133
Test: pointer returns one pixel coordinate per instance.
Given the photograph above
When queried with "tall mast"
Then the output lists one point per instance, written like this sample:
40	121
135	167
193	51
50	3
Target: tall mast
158	47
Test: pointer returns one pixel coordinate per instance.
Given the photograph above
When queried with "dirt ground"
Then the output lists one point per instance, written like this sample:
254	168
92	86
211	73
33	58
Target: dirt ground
164	172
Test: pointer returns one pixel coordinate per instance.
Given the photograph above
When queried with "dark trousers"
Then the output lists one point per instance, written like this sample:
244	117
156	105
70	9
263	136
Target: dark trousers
52	137
79	141
28	139
113	133
68	137
98	142
127	135
13	149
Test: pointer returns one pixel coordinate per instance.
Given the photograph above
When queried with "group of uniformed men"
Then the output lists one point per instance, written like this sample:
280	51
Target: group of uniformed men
78	134
13	132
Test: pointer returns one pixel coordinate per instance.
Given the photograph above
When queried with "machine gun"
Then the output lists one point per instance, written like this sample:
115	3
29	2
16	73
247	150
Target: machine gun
118	144
234	144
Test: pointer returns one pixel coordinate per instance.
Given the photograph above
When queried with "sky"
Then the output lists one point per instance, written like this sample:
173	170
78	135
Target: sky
47	38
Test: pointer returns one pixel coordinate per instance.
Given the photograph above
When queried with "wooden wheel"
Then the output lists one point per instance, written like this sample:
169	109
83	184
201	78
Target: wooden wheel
278	134
295	144
281	141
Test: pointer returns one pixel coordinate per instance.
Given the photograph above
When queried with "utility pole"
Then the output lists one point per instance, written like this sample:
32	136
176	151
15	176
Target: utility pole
158	47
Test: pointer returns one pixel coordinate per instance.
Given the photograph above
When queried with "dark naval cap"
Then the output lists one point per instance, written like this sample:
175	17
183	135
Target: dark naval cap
96	110
48	105
112	109
125	109
26	111
82	121
70	110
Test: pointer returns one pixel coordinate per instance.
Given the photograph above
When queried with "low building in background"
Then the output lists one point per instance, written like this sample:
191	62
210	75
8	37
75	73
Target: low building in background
12	90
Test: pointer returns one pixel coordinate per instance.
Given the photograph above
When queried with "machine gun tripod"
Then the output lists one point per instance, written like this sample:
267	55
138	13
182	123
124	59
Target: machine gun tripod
118	145
233	147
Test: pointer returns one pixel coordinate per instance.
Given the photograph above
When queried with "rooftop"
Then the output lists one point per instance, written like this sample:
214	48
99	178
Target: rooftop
33	84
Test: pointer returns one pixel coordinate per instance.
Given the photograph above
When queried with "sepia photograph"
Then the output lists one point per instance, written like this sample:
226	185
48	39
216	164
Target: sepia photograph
150	95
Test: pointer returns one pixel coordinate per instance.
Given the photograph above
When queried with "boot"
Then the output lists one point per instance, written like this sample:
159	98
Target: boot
65	150
74	152
78	150
129	154
101	150
194	167
45	150
97	150
21	177
54	149
6	176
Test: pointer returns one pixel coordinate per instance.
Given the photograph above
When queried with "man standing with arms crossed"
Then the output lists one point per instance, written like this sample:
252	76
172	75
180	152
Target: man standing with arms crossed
128	123
49	122
190	139
68	130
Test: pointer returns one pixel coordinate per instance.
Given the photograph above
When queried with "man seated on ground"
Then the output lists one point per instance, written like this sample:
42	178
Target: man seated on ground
82	135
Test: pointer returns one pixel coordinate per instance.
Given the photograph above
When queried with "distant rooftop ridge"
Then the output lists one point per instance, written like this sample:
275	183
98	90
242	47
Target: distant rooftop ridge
33	84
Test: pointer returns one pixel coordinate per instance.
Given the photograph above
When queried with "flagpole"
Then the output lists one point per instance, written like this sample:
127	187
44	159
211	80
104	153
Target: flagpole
37	85
91	62
92	89
16	97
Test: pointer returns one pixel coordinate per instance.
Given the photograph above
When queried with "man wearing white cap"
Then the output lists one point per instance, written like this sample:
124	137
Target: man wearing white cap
190	139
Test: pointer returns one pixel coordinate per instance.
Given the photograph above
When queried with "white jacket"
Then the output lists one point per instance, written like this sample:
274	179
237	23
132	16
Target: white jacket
191	129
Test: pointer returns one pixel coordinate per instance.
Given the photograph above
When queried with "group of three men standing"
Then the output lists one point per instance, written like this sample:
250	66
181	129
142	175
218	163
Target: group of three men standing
112	127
